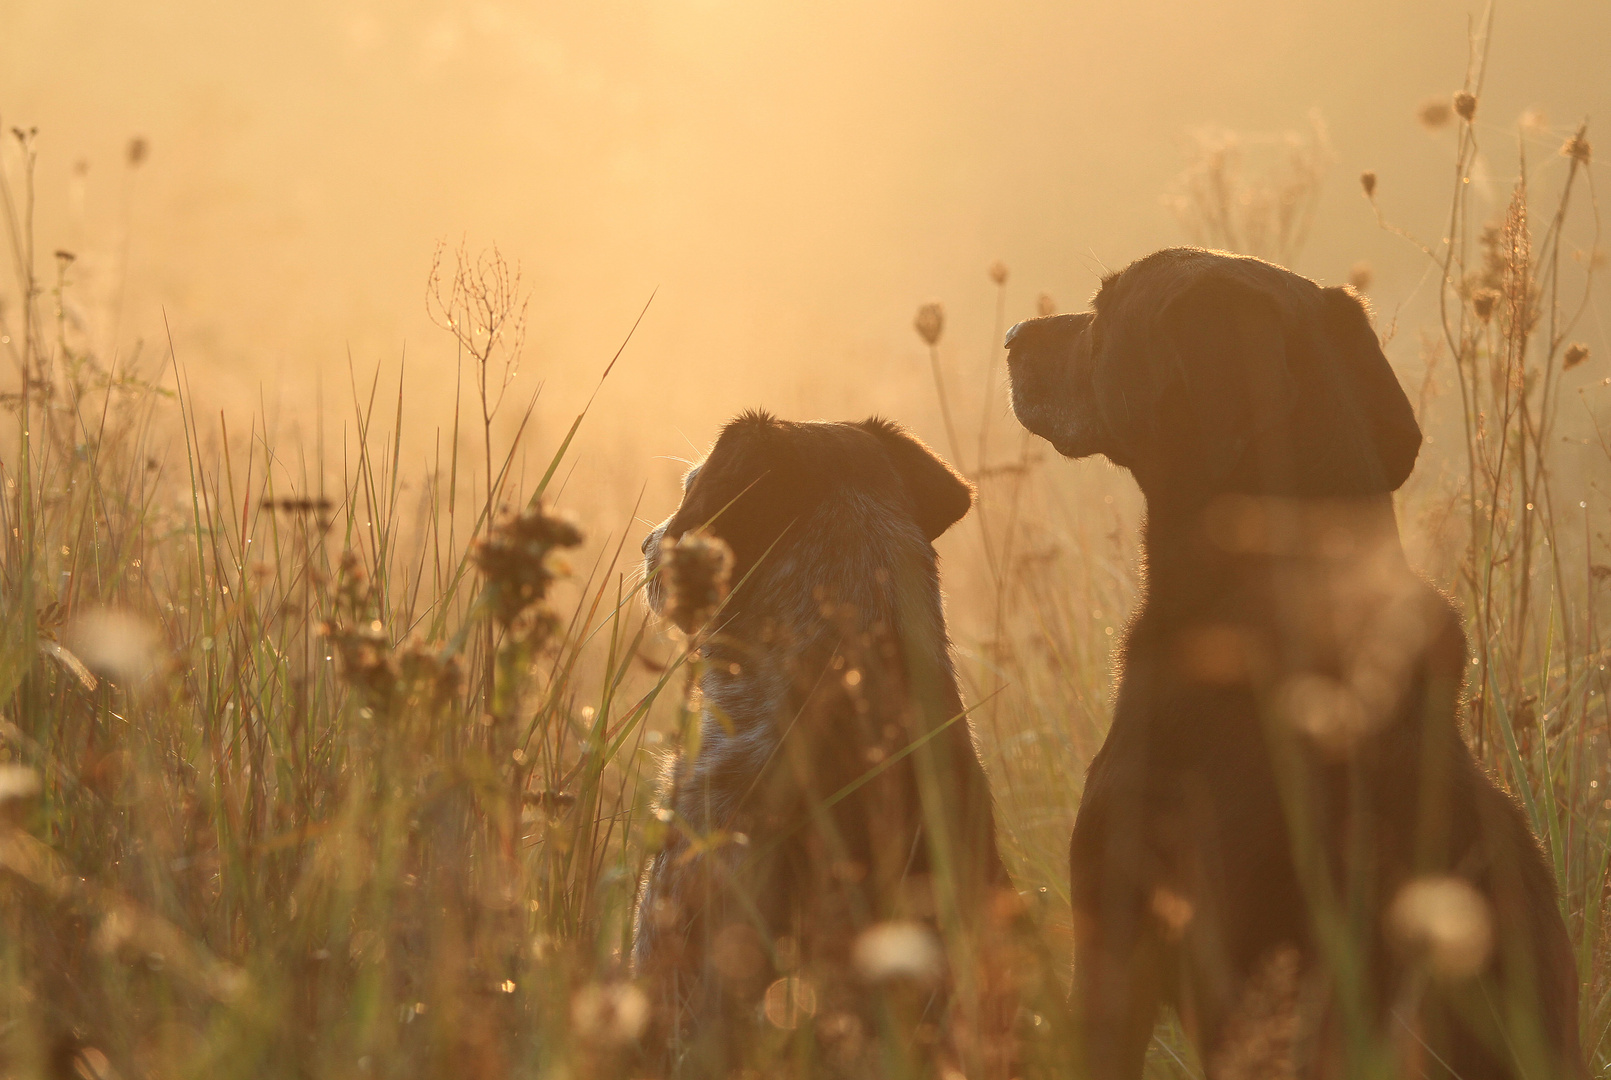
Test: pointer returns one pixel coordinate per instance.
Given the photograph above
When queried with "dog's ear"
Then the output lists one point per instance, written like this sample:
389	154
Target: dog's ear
1231	386
940	496
1367	399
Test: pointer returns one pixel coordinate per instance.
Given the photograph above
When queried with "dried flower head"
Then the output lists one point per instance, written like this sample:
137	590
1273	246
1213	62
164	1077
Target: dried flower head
137	151
697	567
1577	148
1483	302
1367	180
930	322
1576	353
998	272
516	558
1361	276
1045	305
1434	113
1465	104
1445	923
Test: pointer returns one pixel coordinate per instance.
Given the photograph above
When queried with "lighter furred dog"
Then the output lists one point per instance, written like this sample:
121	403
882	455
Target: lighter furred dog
834	786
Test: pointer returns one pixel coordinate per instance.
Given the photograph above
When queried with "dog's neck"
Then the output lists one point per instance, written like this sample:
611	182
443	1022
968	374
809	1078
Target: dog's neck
859	569
1195	548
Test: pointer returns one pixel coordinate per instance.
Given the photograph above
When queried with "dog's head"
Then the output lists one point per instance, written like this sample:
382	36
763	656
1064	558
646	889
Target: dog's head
765	478
1204	371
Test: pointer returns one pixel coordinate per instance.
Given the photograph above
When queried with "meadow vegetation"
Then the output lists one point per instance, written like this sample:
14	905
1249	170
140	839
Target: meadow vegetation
316	763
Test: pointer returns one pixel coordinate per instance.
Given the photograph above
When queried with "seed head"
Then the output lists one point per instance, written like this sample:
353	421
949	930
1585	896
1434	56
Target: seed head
1045	305
18	784
516	559
137	151
1434	113
1577	148
1445	923
1466	105
1576	353
1361	276
697	567
898	950
1483	301
609	1014
930	322
998	272
1367	180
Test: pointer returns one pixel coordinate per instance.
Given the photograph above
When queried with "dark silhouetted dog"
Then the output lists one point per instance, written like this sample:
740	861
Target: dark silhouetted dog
1285	835
834	812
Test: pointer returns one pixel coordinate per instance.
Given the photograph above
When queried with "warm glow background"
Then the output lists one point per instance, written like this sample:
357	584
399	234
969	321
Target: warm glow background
792	179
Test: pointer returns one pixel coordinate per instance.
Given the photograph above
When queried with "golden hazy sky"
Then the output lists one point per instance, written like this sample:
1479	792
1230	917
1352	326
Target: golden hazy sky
793	178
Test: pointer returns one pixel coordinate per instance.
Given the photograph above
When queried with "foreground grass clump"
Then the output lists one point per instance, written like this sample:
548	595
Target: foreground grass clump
320	767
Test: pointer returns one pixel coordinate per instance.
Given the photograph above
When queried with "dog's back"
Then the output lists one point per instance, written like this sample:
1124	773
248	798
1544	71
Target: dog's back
1303	774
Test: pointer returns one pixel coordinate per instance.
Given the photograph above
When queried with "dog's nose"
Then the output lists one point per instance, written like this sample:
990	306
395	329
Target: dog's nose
1012	333
647	545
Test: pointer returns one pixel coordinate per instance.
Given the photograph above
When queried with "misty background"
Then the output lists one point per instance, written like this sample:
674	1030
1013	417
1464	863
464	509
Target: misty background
788	181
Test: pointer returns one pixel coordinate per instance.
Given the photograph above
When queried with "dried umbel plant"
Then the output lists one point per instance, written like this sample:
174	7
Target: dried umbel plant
1253	194
1045	304
517	559
697	568
998	272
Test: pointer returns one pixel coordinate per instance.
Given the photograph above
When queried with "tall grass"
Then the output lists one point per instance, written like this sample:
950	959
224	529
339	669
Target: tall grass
316	763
